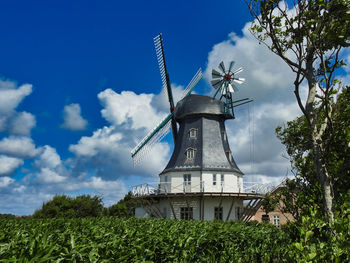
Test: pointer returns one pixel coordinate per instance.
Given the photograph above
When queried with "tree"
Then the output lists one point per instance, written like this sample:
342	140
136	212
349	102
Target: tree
68	207
304	191
269	203
309	40
124	208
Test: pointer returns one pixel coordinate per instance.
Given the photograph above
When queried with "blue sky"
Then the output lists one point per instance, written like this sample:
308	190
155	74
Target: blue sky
80	86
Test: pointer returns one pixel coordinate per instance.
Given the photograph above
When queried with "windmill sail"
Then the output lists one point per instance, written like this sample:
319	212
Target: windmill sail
197	77
158	44
162	129
154	136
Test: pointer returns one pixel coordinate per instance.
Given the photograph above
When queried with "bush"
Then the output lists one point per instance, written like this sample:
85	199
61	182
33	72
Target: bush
68	207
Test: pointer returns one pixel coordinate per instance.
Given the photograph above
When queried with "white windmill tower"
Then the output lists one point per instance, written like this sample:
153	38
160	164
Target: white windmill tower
201	180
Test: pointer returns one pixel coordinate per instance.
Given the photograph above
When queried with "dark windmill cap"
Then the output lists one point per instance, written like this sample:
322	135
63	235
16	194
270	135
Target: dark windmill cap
200	104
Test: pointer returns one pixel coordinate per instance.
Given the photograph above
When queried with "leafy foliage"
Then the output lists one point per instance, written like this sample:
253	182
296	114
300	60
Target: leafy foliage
311	239
68	207
124	208
305	191
309	38
111	239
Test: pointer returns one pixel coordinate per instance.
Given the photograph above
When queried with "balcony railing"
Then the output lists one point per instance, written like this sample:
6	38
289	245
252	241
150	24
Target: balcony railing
200	187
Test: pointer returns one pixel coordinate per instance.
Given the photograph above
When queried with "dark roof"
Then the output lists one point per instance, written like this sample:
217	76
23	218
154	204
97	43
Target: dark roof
212	151
199	104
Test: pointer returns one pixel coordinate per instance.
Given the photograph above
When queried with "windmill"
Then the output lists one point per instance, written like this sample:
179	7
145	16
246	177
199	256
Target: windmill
224	83
163	128
201	180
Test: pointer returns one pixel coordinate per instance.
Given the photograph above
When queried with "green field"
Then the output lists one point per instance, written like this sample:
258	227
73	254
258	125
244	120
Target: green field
111	239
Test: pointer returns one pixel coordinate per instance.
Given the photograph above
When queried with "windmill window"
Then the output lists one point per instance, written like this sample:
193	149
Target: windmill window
214	179
190	153
224	135
229	155
218	213
186	213
187	179
193	133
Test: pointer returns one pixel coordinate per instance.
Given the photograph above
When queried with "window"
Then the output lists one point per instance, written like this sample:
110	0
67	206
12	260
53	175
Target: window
222	178
186	213
190	152
229	155
166	178
224	135
265	218
218	213
187	179
214	179
276	220
193	133
238	213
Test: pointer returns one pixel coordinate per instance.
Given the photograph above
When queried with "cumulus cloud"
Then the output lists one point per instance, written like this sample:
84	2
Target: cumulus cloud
10	96
18	146
107	151
269	81
8	165
72	118
48	158
161	101
11	121
21	123
5	181
129	108
47	175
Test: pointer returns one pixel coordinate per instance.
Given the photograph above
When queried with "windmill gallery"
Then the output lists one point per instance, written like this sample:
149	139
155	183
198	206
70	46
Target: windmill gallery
201	180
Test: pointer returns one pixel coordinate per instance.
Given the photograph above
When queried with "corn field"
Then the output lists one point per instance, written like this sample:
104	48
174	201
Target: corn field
112	239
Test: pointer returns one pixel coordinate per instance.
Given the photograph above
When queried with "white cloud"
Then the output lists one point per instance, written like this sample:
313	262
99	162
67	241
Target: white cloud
269	81
108	152
9	164
161	100
22	123
49	176
48	158
129	108
15	123
10	97
18	146
72	118
5	181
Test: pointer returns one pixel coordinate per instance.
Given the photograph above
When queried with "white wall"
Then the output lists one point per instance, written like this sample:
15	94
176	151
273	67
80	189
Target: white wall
210	203
209	207
232	183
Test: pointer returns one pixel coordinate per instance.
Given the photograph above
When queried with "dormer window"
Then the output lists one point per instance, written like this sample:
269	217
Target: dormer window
224	135
193	133
229	156
190	153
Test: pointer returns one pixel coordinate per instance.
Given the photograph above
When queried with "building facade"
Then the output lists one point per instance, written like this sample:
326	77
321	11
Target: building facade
201	180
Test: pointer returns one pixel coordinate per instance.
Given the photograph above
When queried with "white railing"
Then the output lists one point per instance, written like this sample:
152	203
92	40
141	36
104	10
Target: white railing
199	187
259	188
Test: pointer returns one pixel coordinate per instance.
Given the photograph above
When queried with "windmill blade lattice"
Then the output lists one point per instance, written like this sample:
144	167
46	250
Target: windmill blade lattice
154	136
163	128
158	45
197	77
